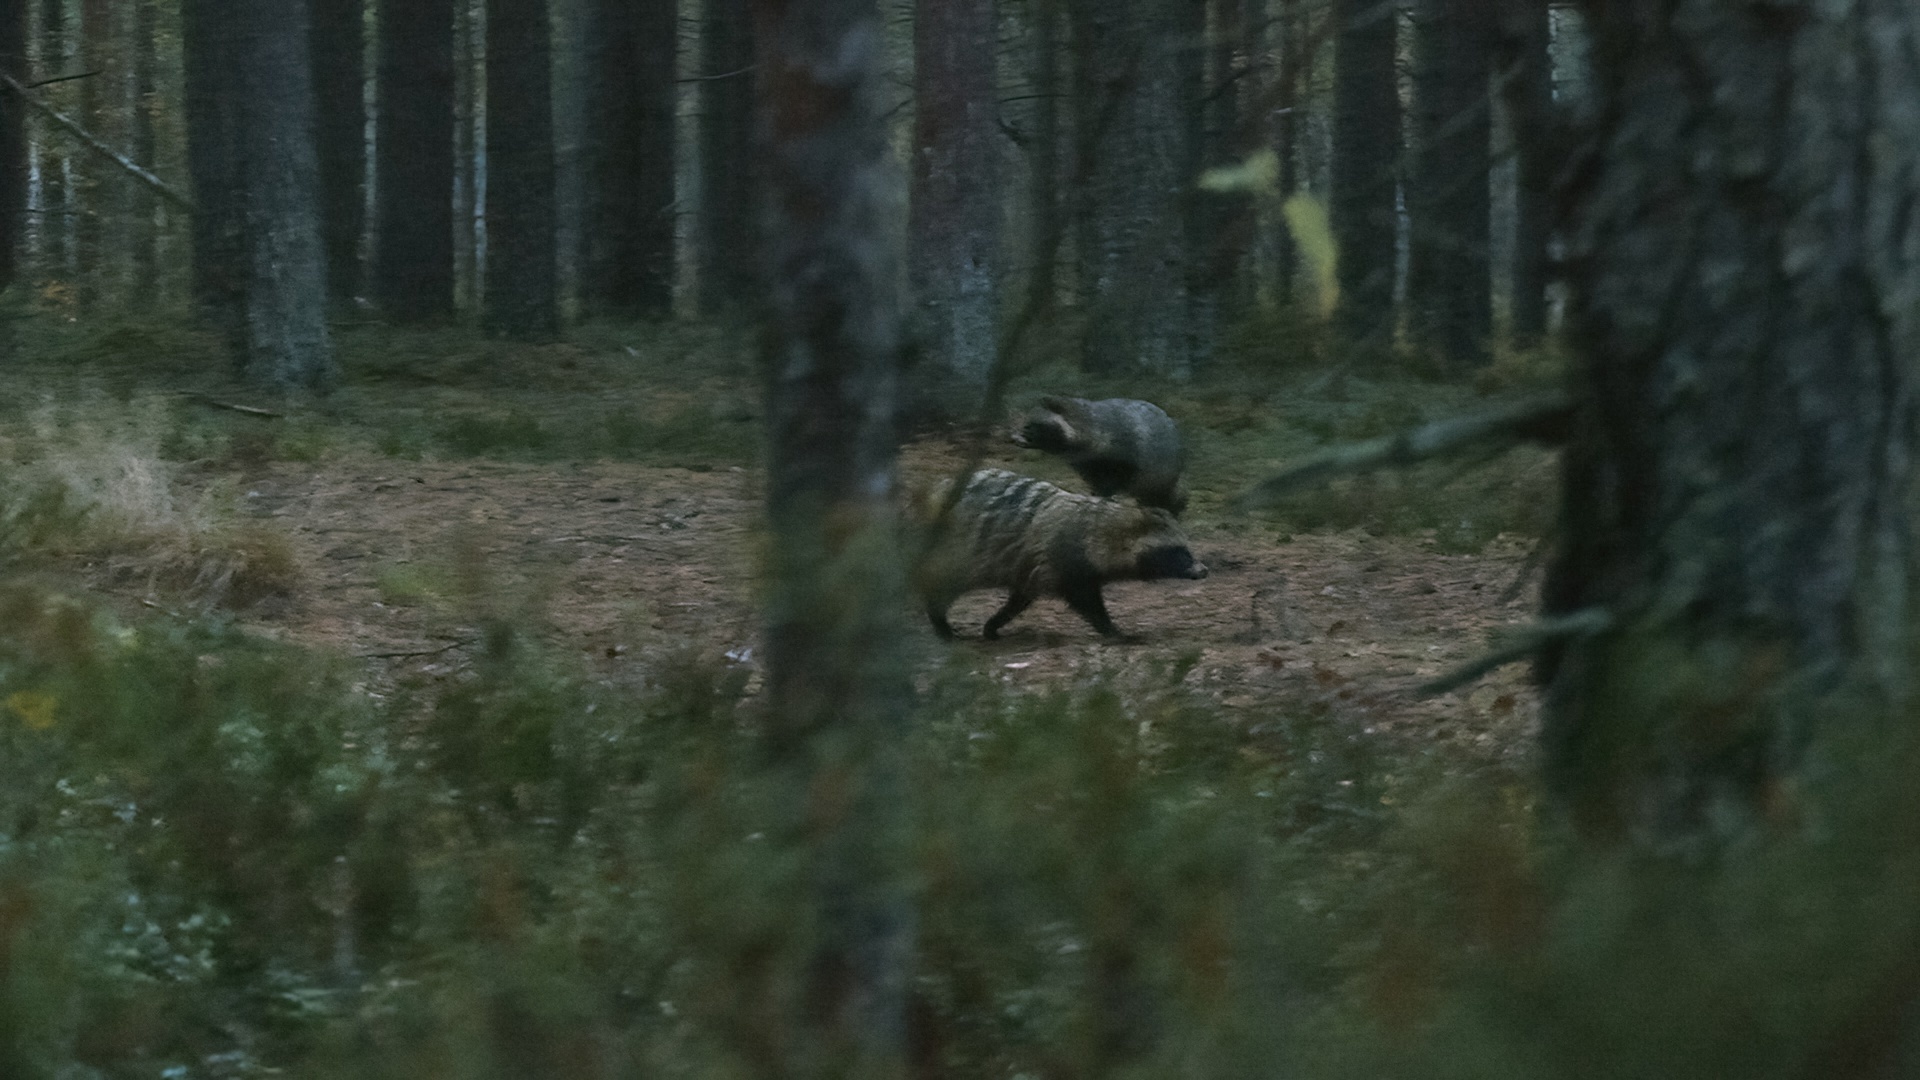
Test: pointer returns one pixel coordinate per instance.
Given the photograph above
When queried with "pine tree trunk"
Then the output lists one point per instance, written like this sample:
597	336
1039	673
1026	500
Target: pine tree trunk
1282	125
469	43
1134	148
56	167
1739	491
1043	151
1527	69
629	158
213	163
98	193
954	221
286	294
339	75
522	297
1366	148
837	682
1449	277
13	140
413	250
145	146
728	233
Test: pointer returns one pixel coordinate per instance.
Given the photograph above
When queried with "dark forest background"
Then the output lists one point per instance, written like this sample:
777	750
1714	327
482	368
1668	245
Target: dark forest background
1616	302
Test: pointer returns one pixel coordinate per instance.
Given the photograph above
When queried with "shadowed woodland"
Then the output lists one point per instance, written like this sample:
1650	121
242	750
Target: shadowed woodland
476	475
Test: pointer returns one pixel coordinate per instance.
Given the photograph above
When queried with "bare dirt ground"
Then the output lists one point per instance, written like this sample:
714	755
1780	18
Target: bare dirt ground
620	561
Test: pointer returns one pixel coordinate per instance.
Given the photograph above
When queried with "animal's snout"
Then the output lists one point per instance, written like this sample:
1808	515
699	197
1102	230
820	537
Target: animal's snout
1197	571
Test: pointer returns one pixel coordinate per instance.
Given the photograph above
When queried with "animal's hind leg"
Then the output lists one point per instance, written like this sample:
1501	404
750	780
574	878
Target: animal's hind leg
937	615
1016	603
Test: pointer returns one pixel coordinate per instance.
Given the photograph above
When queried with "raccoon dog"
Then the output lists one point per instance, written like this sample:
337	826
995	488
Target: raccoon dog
1117	445
1033	539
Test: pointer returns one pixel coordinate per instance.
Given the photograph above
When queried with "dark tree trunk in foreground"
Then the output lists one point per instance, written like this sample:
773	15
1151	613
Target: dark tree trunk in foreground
286	290
1526	67
338	87
413	151
145	99
1130	66
13	139
837	685
56	228
629	157
954	225
1739	489
522	297
727	229
1366	146
213	161
1449	282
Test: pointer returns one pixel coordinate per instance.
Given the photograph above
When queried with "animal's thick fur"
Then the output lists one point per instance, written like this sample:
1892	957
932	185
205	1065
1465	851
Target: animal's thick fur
1035	539
1118	446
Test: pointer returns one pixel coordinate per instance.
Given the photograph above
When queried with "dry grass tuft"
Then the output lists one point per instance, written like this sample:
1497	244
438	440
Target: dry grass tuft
85	482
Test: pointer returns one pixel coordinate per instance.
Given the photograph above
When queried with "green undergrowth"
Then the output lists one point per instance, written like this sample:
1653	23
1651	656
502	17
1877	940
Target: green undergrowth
684	395
223	857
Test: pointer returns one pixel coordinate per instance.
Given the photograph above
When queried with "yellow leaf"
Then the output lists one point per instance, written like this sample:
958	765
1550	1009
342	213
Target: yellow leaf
33	707
1258	174
1312	233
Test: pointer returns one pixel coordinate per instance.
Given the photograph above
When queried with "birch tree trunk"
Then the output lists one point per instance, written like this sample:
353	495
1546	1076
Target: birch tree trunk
1739	490
837	684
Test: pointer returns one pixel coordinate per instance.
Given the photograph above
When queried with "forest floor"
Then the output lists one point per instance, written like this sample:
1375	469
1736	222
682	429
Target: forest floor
397	561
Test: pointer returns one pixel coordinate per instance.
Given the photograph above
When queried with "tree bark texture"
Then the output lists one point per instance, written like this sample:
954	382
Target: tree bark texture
837	682
1449	275
522	298
1745	263
1526	71
13	140
339	76
1045	227
98	199
288	348
1134	151
955	212
413	151
630	155
56	232
1366	150
728	227
213	162
144	99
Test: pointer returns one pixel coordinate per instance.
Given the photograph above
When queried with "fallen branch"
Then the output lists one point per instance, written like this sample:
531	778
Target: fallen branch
1520	643
416	652
165	189
1539	419
215	403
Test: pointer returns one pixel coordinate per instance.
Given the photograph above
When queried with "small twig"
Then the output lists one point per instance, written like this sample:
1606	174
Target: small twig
215	403
1539	419
1520	643
416	652
165	189
1534	559
722	75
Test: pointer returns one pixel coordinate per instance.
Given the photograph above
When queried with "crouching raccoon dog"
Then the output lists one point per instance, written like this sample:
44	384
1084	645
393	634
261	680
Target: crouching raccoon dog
1035	539
1117	446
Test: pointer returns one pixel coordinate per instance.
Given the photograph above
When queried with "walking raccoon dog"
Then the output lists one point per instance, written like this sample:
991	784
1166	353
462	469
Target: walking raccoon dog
1117	445
1034	539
